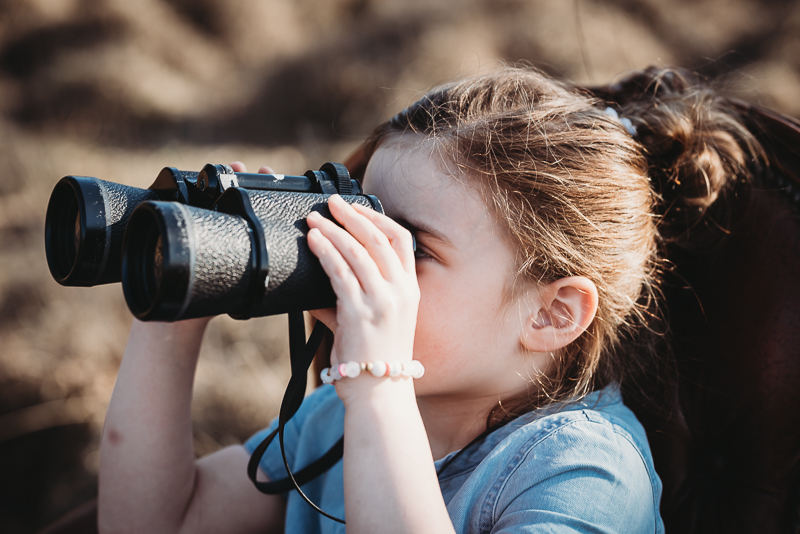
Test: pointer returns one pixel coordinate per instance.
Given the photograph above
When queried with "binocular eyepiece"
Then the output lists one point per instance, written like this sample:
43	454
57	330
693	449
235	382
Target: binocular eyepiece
197	244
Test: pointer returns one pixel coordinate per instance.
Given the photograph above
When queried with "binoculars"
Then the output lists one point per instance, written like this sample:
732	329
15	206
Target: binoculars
196	244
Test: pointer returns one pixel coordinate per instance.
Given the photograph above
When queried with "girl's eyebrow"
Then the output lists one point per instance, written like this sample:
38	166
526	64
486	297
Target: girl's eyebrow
416	227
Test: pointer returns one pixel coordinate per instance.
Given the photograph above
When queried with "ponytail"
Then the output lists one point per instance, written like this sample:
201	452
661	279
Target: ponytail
695	142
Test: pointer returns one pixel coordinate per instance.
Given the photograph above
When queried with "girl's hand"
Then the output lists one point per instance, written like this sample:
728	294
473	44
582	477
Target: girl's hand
389	478
371	265
238	166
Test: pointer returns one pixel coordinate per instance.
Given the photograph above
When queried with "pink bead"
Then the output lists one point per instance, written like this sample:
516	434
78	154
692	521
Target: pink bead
342	369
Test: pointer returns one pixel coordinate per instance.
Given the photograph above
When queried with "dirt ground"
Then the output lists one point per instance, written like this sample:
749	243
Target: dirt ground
118	89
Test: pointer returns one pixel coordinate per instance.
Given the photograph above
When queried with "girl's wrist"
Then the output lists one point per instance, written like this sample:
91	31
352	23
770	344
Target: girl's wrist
378	369
177	343
179	330
368	389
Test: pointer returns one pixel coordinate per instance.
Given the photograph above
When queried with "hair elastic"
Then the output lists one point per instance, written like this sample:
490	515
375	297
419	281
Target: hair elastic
414	369
626	122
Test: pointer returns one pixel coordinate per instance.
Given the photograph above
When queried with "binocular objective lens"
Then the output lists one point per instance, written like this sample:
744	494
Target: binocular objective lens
77	235
69	223
158	259
153	268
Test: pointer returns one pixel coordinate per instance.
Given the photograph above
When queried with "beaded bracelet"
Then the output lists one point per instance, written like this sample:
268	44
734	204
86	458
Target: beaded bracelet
377	369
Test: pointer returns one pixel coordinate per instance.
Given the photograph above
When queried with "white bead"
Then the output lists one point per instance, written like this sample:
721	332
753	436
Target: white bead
353	369
378	369
335	373
414	369
417	370
326	378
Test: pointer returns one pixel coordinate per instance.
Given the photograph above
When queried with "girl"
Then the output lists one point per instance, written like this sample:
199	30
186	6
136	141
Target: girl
533	209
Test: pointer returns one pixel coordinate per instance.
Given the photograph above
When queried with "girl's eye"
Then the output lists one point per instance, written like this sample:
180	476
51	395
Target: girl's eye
420	254
419	251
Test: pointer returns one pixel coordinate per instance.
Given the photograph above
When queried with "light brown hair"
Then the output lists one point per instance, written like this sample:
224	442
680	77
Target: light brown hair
579	195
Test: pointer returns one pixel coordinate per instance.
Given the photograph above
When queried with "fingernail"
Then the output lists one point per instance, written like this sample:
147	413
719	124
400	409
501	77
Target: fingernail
314	215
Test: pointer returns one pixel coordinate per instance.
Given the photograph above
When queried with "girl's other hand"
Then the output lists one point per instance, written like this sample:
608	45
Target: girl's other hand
238	166
371	265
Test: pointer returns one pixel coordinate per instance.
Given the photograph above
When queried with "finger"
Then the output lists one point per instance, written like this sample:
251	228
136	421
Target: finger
344	281
370	236
399	237
354	254
238	166
266	169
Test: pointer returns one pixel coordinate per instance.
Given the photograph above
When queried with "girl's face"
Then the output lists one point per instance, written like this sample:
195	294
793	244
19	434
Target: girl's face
467	338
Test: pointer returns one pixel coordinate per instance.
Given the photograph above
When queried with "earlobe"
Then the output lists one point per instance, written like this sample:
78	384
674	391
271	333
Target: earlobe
563	310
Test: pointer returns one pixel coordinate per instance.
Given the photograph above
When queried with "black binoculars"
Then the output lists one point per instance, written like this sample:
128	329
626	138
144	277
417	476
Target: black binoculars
198	244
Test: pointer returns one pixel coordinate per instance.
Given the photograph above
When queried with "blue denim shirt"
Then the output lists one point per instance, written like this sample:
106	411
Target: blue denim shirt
577	467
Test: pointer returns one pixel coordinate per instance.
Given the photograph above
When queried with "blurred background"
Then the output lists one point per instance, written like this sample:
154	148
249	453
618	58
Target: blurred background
118	89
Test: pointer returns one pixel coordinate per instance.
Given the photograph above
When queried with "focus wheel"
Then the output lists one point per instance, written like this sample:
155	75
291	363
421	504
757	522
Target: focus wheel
341	175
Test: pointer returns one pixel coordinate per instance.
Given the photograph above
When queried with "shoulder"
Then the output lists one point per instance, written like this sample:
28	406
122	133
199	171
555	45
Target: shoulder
588	442
585	465
592	432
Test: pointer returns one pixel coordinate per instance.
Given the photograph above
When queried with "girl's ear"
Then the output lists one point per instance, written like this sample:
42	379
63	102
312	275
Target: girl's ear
559	313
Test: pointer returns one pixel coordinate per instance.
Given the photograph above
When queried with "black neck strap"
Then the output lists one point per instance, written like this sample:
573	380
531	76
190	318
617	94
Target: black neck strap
301	354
